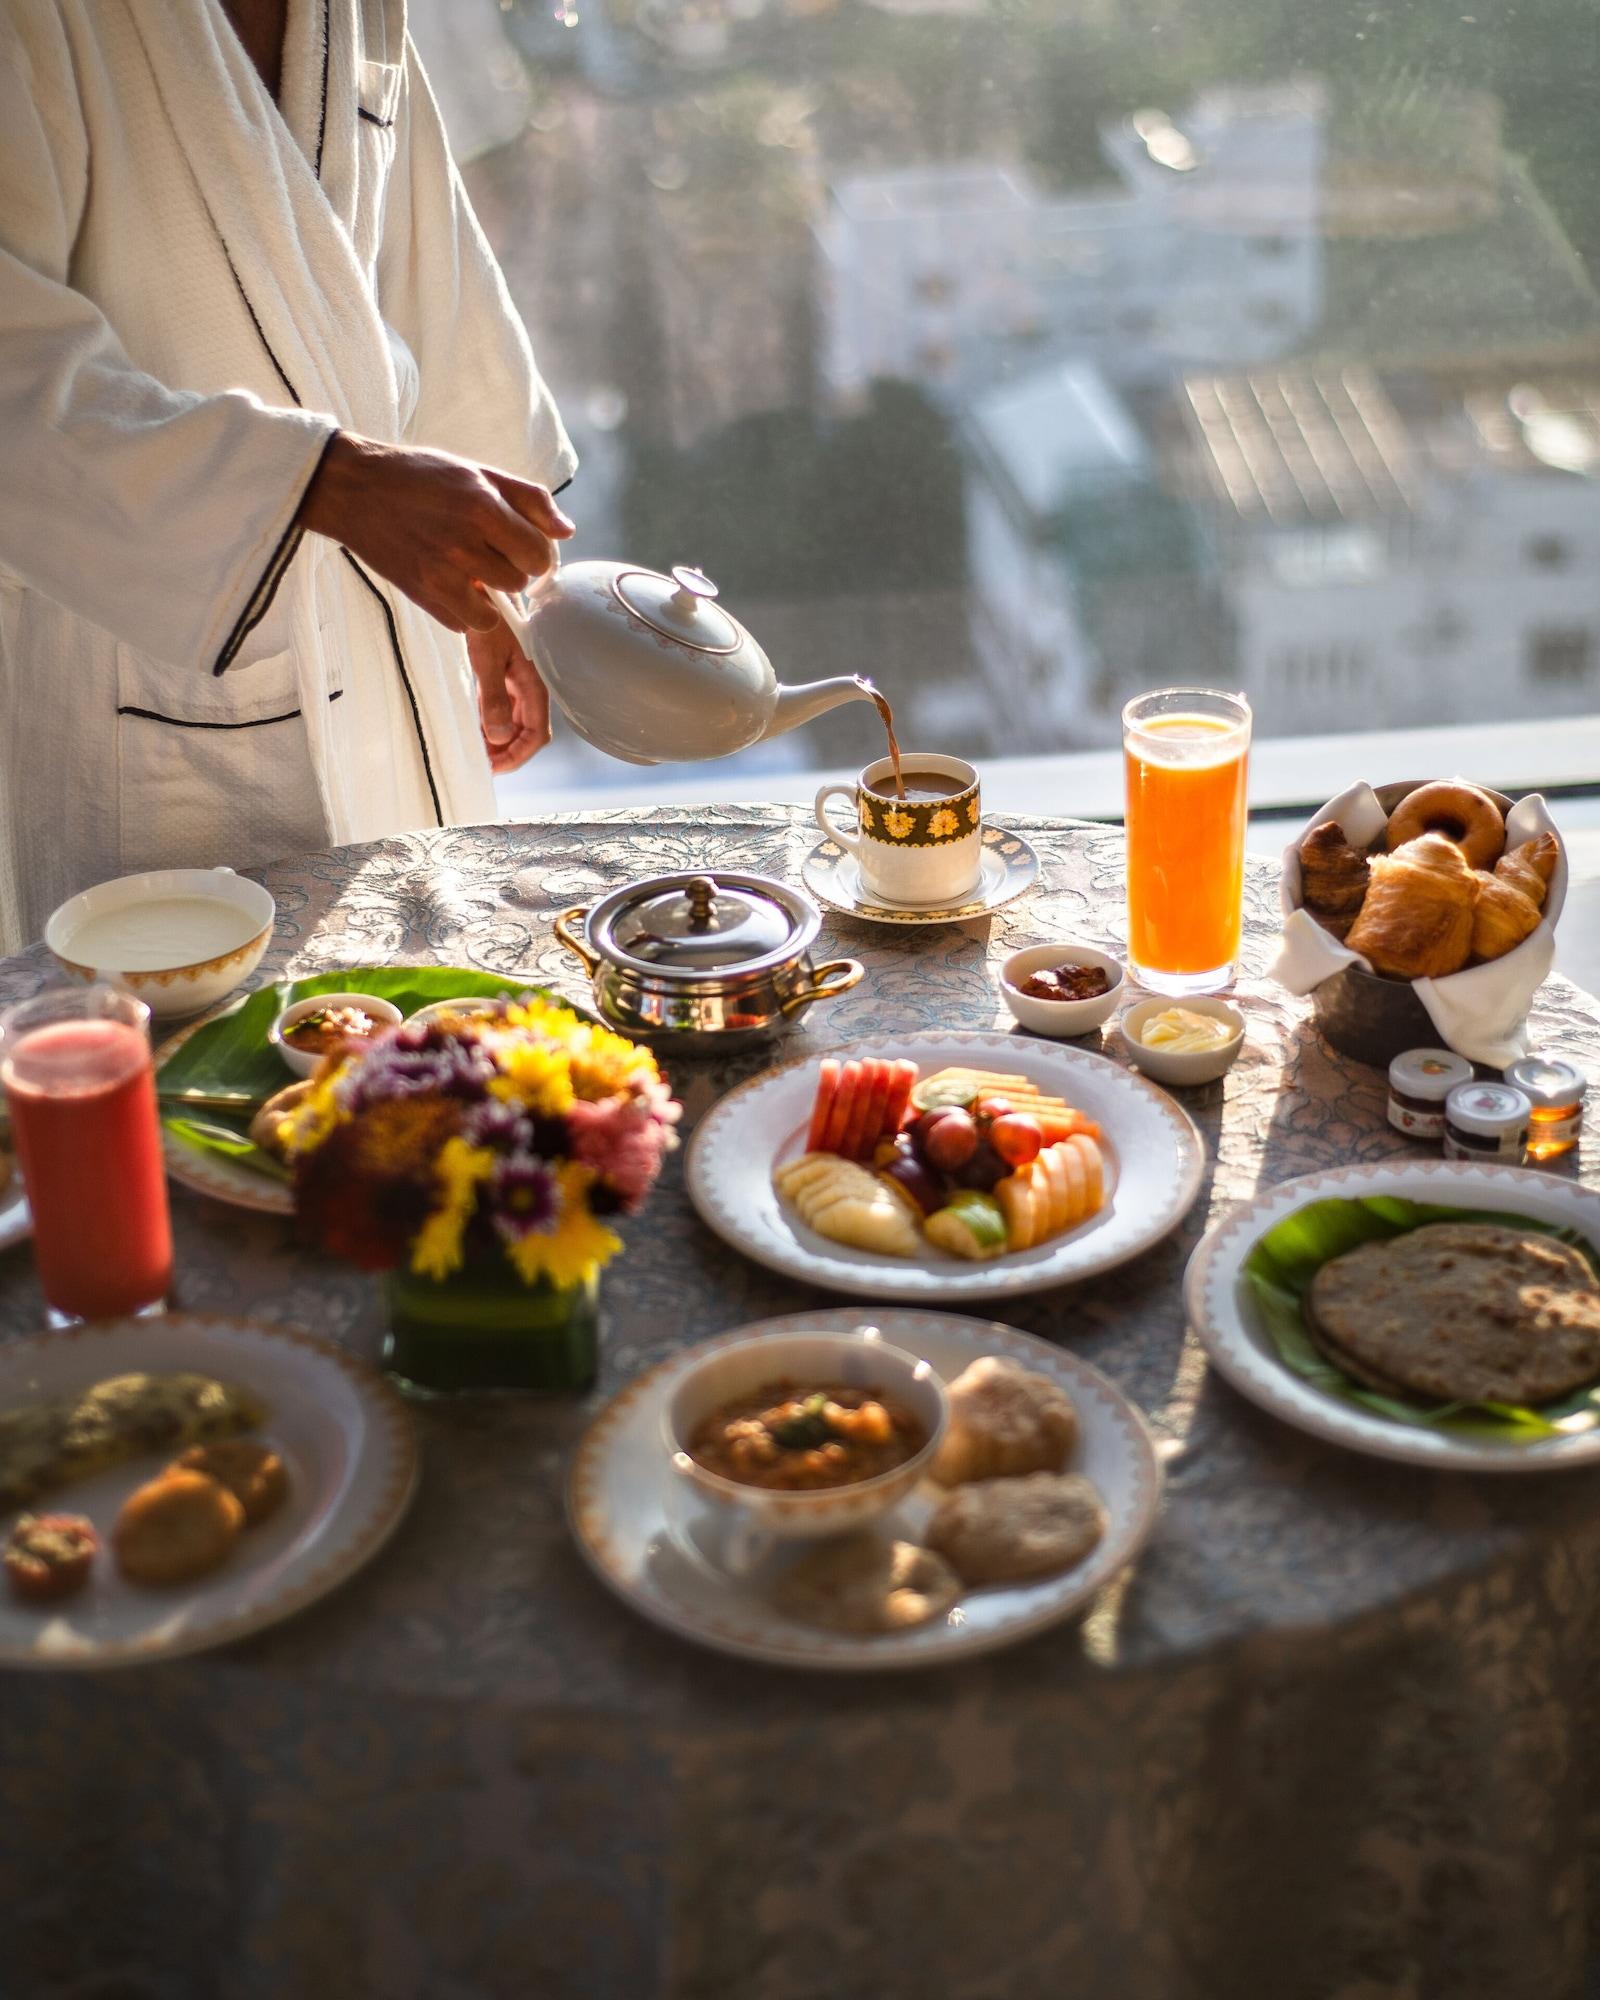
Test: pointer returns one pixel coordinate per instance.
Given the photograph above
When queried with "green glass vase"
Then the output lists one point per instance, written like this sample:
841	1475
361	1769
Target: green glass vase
483	1330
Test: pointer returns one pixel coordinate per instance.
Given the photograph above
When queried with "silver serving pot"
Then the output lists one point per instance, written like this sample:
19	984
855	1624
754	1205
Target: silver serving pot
703	962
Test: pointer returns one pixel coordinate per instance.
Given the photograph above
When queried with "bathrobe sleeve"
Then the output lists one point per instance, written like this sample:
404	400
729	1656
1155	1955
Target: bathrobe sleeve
440	288
162	515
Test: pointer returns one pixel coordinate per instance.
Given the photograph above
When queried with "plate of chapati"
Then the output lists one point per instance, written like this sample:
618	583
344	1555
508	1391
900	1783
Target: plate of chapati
1046	1485
1436	1312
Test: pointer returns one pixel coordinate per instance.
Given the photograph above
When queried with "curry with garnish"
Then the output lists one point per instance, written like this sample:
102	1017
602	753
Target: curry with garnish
797	1437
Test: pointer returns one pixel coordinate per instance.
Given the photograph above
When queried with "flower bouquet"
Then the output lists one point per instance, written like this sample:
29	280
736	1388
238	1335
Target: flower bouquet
477	1161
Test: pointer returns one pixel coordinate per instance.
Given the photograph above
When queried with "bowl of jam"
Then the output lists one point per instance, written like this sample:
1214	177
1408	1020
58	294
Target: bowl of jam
329	1024
1066	988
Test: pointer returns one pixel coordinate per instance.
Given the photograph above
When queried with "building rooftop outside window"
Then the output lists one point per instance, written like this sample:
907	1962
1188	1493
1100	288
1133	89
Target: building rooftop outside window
1025	354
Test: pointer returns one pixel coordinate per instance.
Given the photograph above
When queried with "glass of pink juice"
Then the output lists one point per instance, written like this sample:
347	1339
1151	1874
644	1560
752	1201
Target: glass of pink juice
75	1065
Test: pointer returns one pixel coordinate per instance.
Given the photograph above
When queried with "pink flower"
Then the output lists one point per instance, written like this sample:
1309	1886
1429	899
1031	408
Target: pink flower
622	1139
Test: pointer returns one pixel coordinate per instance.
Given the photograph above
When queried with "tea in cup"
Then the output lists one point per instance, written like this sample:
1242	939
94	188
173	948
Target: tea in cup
924	850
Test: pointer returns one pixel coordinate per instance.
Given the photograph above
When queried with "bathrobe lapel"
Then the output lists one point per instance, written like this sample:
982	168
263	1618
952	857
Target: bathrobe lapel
256	170
291	195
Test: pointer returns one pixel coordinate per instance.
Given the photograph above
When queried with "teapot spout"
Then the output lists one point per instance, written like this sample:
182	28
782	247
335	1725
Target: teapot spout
802	704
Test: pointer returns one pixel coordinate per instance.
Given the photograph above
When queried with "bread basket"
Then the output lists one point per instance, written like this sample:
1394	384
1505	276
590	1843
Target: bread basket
1375	1019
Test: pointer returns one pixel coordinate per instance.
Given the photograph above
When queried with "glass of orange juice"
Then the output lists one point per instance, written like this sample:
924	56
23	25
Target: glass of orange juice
1186	756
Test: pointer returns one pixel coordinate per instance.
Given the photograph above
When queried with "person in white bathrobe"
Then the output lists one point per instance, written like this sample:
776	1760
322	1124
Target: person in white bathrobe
268	418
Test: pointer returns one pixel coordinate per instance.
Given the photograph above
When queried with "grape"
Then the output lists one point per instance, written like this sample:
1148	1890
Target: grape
983	1169
951	1141
1016	1137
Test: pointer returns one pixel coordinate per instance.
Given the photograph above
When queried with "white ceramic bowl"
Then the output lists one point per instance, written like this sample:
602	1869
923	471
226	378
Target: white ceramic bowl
466	1009
303	1061
179	939
1167	1065
861	1359
1059	1017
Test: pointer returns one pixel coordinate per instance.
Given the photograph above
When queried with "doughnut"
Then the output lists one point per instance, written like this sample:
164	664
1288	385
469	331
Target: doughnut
1461	812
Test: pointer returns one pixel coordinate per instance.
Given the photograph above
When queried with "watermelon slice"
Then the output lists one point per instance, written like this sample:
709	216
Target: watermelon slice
900	1088
840	1111
827	1089
860	1132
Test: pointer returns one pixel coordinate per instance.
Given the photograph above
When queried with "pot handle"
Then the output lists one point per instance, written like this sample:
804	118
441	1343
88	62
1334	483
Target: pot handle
577	944
838	975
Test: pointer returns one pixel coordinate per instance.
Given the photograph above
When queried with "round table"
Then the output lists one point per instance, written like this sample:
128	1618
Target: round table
1326	1738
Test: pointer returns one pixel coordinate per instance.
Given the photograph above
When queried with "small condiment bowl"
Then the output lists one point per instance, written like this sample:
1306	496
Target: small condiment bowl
1170	1066
860	1359
466	1009
1059	1017
303	1061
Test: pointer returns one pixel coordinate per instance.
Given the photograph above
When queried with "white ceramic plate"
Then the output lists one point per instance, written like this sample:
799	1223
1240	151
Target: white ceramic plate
1008	866
215	1174
1154	1159
661	1548
344	1435
1222	1311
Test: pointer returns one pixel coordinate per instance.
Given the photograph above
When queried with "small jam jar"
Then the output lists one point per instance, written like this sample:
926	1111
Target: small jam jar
1419	1082
1556	1090
1486	1122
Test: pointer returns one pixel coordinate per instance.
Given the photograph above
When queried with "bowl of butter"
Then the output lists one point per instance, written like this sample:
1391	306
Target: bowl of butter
1182	1044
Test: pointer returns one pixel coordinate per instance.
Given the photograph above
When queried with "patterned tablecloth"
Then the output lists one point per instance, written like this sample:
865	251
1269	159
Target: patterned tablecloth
1326	1741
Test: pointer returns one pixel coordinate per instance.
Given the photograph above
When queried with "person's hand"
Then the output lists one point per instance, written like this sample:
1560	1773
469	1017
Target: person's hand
436	526
513	703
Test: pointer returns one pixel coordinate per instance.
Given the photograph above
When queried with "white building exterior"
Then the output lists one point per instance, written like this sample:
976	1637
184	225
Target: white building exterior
1208	253
1405	550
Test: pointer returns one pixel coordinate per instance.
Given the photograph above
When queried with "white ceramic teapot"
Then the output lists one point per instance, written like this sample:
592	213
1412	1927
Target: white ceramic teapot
651	669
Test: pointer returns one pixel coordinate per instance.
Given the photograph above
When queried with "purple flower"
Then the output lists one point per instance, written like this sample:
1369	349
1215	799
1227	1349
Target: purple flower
414	1063
523	1197
505	1127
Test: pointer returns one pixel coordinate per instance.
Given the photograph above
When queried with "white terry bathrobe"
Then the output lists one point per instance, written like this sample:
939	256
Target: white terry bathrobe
196	289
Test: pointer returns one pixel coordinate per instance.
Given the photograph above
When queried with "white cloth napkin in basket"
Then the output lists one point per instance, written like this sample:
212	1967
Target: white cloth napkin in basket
1481	1013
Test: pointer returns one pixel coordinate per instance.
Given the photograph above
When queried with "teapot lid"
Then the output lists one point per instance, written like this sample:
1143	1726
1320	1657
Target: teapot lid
679	607
694	923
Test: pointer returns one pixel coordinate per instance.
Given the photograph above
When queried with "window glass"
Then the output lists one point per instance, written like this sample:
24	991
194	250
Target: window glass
1026	353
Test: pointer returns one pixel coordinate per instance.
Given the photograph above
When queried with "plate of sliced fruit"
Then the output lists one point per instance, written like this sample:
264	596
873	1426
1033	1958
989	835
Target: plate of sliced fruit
945	1166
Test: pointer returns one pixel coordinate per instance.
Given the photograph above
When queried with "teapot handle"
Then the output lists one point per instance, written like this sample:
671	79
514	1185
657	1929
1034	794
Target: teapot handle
514	609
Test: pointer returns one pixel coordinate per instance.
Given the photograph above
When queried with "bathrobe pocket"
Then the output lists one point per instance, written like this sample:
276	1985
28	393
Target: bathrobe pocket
213	769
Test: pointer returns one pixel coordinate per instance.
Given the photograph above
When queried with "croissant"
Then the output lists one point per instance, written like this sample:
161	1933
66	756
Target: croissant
1530	866
1333	877
1502	916
1416	922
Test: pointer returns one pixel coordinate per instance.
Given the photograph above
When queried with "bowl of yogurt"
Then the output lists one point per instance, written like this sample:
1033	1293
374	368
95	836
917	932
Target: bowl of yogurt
178	939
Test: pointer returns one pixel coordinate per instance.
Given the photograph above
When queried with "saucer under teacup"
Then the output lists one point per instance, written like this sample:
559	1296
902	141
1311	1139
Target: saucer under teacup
1008	866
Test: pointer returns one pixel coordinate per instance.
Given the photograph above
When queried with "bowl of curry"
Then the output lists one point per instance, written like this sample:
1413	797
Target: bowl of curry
329	1024
813	1435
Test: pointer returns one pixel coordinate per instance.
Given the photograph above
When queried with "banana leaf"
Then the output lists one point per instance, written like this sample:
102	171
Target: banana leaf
1279	1271
231	1058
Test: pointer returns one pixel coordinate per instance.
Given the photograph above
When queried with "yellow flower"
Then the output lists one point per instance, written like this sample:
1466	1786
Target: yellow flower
460	1168
531	1073
942	822
599	1063
898	823
314	1117
972	812
578	1245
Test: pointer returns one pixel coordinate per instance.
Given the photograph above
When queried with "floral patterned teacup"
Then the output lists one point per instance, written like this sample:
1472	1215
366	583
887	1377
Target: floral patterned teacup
926	853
